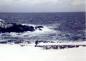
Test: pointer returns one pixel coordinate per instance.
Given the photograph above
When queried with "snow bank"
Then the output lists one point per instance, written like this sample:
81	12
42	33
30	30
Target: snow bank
31	53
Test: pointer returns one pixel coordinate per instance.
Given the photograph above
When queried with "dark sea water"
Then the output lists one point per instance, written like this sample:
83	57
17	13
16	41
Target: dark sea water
61	26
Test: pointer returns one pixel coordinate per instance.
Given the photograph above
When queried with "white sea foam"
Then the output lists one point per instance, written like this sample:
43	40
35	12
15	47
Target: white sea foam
31	53
37	32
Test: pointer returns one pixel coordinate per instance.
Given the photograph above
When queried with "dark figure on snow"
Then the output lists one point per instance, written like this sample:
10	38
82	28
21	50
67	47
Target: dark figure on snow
36	43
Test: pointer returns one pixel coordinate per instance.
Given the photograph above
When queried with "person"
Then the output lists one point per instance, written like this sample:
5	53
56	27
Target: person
36	43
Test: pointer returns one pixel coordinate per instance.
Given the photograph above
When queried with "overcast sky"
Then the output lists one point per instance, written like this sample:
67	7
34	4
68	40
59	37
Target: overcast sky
42	5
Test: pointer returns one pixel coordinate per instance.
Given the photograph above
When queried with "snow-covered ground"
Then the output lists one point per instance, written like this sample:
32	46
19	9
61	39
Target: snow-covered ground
30	53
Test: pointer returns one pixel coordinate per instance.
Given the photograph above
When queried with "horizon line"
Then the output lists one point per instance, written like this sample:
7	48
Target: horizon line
42	12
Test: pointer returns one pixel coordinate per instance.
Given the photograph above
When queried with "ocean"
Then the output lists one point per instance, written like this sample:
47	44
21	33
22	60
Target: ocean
59	26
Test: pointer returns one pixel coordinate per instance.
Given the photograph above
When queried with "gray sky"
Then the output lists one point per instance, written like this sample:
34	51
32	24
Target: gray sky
42	5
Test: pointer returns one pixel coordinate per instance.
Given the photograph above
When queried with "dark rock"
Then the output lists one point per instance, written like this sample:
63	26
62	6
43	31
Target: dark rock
39	27
17	28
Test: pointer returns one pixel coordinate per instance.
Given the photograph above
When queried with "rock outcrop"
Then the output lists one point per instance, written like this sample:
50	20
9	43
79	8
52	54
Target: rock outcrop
13	27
